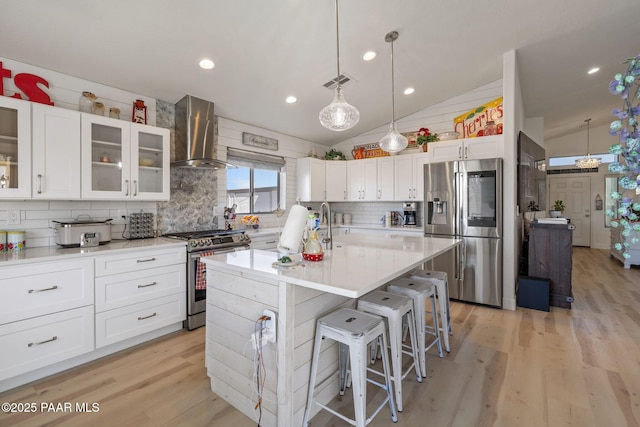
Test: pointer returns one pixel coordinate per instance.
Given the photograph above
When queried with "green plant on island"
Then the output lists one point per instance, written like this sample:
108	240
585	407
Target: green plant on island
627	150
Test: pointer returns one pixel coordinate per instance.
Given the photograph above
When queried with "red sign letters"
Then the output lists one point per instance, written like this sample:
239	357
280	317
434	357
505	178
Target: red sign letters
28	84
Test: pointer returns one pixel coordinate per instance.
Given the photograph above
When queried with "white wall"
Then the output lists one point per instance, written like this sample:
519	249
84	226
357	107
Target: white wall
575	144
230	135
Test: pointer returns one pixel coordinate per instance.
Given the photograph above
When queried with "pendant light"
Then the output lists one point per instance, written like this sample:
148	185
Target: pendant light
339	115
588	162
393	142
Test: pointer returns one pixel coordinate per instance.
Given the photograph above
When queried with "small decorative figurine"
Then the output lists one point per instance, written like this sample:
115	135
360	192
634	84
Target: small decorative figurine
139	114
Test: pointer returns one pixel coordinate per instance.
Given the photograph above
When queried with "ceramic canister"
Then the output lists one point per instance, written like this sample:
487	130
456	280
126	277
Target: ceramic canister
15	241
3	240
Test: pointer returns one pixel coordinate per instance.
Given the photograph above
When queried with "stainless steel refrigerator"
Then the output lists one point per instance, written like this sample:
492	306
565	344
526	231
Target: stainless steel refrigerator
463	199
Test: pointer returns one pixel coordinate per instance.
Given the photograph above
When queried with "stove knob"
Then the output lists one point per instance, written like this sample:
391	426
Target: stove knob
201	243
193	244
207	242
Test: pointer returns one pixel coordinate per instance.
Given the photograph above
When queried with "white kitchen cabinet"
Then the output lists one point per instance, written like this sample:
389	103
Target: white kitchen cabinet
266	241
385	178
336	181
15	148
139	292
46	314
362	181
311	177
56	153
409	176
122	160
484	147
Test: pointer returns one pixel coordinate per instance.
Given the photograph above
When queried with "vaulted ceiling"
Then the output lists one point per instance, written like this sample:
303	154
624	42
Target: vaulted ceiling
265	51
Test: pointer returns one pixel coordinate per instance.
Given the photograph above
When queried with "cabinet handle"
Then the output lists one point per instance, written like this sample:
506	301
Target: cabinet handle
126	181
459	152
466	152
147	317
270	242
39	183
35	291
344	195
33	344
135	188
146	286
146	260
379	194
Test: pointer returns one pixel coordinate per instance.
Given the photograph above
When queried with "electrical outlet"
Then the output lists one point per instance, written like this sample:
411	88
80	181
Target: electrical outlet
13	216
268	330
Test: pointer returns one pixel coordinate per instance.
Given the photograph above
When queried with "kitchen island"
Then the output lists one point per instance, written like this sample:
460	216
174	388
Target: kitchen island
241	285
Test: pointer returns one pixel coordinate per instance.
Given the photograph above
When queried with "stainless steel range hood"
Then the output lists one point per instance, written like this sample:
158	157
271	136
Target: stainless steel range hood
195	135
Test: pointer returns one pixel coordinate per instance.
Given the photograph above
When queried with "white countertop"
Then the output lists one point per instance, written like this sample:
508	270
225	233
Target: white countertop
356	265
49	253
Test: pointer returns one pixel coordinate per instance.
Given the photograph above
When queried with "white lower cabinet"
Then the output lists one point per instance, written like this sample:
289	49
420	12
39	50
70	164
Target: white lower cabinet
139	292
265	242
41	341
129	321
46	314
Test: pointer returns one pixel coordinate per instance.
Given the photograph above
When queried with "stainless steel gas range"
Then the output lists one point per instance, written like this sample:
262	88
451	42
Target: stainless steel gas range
199	244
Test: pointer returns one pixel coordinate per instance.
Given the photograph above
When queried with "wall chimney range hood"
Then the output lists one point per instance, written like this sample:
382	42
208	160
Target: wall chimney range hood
195	135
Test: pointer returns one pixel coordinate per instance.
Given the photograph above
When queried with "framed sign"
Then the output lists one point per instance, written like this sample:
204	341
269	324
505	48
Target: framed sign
259	141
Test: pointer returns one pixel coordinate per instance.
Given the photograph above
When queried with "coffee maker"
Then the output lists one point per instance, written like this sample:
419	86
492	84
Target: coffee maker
409	213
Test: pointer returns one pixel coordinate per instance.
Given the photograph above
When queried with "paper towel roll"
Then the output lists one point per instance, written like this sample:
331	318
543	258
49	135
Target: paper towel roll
291	236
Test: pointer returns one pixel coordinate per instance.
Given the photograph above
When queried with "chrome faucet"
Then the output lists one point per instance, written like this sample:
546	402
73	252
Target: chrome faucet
327	240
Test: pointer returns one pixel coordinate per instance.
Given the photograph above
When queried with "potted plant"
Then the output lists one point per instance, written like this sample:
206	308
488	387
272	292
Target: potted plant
334	155
533	207
425	136
558	208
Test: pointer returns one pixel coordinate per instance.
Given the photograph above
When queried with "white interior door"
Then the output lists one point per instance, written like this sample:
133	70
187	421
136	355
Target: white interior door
575	192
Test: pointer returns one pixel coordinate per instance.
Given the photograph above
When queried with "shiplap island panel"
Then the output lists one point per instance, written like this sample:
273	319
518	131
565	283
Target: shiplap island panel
240	285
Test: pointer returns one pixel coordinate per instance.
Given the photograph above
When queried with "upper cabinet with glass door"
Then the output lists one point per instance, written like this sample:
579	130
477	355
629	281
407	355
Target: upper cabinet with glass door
124	161
15	148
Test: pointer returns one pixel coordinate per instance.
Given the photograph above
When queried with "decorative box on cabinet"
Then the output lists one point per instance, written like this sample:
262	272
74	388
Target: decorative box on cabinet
633	250
122	160
550	251
138	293
15	148
46	314
484	147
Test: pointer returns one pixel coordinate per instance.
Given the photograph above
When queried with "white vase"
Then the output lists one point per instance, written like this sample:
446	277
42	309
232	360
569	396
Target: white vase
555	214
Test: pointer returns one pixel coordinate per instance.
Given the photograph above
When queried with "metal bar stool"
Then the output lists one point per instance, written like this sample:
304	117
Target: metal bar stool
419	291
353	330
394	308
439	278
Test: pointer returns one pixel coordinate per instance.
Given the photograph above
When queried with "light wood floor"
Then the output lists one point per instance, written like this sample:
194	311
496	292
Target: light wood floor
578	367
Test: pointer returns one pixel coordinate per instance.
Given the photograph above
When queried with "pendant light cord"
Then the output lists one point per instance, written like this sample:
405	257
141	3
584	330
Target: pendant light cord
337	47
393	88
588	148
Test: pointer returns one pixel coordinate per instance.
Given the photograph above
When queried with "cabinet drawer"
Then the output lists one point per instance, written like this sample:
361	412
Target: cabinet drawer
124	263
42	341
119	290
38	289
127	322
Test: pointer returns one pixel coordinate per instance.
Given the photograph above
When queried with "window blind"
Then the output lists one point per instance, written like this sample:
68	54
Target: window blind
255	160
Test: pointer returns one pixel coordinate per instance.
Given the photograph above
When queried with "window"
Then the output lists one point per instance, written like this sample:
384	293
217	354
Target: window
255	186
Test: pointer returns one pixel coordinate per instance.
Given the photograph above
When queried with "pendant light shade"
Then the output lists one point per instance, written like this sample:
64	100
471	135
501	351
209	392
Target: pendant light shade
339	115
393	142
588	162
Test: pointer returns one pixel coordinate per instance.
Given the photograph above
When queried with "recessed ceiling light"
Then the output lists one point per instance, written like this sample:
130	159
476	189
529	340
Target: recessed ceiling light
593	70
409	91
206	64
368	56
291	99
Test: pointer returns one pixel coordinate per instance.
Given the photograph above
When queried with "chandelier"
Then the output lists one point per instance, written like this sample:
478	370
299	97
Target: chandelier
339	115
393	142
588	162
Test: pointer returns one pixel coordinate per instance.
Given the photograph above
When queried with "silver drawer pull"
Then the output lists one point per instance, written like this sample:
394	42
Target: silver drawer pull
270	242
146	317
146	260
146	286
33	291
33	344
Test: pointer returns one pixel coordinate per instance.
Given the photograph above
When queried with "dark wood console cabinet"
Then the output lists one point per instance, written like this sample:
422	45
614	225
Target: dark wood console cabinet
550	251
